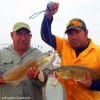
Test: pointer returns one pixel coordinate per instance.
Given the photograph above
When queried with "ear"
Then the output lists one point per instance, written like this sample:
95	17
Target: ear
86	33
11	34
30	35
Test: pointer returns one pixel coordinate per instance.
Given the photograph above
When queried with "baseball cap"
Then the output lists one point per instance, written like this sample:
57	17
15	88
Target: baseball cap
20	25
76	24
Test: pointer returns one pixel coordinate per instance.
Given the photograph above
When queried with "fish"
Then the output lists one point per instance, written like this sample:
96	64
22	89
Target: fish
74	72
19	72
55	91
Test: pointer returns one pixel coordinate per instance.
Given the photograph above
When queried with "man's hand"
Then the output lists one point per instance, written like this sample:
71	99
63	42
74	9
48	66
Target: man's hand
52	8
87	81
35	74
2	82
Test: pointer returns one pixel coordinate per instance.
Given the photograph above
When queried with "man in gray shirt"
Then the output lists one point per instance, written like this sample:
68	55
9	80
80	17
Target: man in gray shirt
16	54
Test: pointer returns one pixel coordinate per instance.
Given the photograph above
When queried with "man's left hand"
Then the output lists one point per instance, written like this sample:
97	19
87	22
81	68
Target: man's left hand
87	81
35	74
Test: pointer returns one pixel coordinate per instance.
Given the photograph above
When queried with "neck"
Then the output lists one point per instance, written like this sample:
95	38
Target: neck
20	52
79	50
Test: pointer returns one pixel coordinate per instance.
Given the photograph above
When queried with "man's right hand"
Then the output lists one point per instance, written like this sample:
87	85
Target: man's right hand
52	8
2	82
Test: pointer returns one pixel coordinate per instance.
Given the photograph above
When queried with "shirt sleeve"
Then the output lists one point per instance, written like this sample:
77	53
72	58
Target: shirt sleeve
46	33
95	85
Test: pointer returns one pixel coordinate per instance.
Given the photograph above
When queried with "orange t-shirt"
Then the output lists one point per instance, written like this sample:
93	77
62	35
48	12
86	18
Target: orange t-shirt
88	58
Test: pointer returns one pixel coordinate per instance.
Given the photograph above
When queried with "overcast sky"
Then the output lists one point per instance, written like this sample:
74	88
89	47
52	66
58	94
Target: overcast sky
12	11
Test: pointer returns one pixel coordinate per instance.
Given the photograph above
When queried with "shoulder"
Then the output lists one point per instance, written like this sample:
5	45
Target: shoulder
94	46
33	53
61	40
4	50
35	50
6	56
96	49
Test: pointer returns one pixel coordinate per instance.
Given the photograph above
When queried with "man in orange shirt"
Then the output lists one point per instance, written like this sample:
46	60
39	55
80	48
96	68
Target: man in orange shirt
78	49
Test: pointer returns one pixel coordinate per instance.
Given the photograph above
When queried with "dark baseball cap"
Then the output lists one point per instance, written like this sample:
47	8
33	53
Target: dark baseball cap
75	24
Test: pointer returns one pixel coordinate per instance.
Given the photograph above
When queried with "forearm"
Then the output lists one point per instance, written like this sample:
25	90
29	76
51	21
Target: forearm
46	34
95	85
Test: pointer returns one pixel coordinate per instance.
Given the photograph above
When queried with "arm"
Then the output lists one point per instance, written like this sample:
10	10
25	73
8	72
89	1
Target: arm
46	34
91	84
95	85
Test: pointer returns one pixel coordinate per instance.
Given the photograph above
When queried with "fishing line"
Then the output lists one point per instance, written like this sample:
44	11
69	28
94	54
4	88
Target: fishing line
36	14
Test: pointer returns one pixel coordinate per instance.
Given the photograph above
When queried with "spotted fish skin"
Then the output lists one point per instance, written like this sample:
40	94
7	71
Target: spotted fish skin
75	72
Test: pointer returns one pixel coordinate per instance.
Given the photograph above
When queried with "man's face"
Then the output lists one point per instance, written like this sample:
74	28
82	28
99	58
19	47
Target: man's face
21	39
77	38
